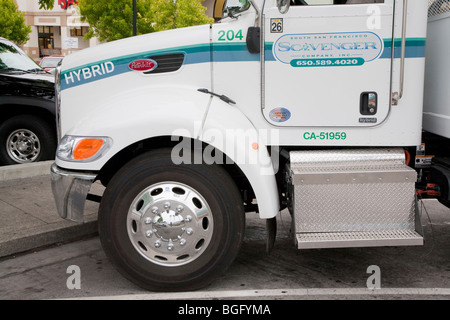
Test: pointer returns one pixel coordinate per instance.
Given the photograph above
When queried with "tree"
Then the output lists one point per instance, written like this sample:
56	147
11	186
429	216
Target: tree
110	20
113	20
169	14
12	22
46	4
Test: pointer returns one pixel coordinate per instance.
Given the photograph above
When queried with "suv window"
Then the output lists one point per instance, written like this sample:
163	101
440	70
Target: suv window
13	58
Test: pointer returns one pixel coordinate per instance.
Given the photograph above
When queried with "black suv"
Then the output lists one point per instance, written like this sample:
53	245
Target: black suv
27	108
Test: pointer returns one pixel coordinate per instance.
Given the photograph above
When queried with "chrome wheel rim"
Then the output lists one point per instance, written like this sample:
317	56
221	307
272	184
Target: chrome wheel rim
170	224
23	146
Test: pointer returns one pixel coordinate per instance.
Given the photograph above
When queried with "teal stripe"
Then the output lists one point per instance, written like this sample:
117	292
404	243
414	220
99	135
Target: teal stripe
415	48
225	52
410	42
199	48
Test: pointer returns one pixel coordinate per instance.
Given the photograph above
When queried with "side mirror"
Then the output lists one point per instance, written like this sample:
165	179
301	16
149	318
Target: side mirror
218	9
283	5
254	40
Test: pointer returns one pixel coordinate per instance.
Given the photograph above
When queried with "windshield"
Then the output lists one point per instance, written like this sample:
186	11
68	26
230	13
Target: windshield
13	58
50	62
235	6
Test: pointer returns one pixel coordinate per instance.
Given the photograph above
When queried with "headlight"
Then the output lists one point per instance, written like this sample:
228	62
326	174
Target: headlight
82	149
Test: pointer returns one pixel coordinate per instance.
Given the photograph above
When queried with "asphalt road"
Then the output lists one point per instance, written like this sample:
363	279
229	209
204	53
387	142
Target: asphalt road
287	273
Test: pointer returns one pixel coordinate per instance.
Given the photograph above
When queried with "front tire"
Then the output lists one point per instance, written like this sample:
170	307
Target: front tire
171	227
25	139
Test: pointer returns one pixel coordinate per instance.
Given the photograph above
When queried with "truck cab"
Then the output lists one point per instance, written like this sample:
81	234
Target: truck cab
313	106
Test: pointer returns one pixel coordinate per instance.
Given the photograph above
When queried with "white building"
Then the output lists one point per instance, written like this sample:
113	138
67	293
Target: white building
51	28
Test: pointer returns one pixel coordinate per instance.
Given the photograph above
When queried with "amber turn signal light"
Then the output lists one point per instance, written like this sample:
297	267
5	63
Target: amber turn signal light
87	148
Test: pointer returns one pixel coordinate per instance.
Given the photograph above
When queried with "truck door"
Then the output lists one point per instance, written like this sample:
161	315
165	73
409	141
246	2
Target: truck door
329	64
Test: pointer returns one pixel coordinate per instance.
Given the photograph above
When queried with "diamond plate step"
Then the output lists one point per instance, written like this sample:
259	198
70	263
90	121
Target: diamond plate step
389	238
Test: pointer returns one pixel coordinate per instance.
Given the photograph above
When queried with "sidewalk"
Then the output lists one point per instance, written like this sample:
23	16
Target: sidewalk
28	217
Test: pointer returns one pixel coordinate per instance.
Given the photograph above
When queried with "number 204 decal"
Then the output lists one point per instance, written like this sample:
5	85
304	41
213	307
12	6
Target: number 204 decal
230	35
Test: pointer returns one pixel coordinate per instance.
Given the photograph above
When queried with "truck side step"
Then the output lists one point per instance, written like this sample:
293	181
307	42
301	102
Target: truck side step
353	198
320	240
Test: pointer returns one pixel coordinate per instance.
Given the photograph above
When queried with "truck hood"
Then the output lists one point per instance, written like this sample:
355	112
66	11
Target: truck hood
136	47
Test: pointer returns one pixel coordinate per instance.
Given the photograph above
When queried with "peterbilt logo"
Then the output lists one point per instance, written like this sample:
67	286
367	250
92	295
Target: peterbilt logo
143	65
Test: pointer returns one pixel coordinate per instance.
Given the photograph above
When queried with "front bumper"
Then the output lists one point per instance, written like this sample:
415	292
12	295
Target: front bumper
70	190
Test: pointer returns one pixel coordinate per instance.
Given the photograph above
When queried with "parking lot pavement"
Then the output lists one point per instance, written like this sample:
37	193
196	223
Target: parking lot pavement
28	216
28	213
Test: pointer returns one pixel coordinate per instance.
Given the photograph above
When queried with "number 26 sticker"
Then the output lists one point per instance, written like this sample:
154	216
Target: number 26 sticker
276	25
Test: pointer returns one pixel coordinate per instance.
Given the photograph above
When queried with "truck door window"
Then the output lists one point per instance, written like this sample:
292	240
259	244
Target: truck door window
233	7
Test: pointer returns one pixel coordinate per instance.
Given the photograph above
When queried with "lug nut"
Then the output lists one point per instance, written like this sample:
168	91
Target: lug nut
180	208
182	242
189	231
155	210
157	244
188	218
148	221
167	205
149	233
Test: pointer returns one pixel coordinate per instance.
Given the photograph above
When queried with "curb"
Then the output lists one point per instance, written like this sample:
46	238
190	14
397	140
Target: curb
27	237
62	232
26	170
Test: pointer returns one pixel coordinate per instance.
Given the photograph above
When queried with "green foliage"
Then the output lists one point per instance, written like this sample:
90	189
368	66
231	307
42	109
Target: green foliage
113	20
170	14
12	23
46	4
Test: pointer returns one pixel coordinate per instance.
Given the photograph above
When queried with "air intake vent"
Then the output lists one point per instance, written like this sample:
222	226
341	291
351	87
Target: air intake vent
167	63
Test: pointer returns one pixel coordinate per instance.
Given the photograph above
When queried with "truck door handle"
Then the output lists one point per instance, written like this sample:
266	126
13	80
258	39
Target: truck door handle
368	103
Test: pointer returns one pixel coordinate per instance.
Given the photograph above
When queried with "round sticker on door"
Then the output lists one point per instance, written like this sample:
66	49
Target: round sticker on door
280	115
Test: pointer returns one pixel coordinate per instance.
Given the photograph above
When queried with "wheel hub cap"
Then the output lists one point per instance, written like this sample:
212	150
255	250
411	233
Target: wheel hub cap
170	223
23	146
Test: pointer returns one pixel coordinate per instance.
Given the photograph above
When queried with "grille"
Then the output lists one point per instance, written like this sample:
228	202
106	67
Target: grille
438	7
167	63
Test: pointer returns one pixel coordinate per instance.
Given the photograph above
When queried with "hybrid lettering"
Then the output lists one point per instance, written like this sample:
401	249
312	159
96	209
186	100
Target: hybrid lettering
97	70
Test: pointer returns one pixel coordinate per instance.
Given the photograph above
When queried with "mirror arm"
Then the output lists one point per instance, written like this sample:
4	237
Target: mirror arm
258	12
232	16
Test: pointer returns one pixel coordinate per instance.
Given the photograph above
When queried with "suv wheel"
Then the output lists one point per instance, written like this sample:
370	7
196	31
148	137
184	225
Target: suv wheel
25	139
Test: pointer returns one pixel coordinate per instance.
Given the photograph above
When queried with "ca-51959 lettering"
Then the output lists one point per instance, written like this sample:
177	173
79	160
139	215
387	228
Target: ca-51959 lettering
325	136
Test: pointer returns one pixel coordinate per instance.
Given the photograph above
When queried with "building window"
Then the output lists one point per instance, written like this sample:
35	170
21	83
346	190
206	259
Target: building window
46	40
78	31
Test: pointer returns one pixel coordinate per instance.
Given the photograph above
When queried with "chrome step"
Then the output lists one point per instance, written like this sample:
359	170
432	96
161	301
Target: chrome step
322	240
353	198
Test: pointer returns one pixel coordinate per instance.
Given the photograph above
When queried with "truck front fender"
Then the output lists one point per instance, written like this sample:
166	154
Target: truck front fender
227	129
128	118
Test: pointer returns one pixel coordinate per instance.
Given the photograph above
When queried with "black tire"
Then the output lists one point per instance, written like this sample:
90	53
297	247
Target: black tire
37	136
226	221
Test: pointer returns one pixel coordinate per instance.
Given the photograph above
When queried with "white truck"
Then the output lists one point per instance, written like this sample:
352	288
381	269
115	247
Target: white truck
311	106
